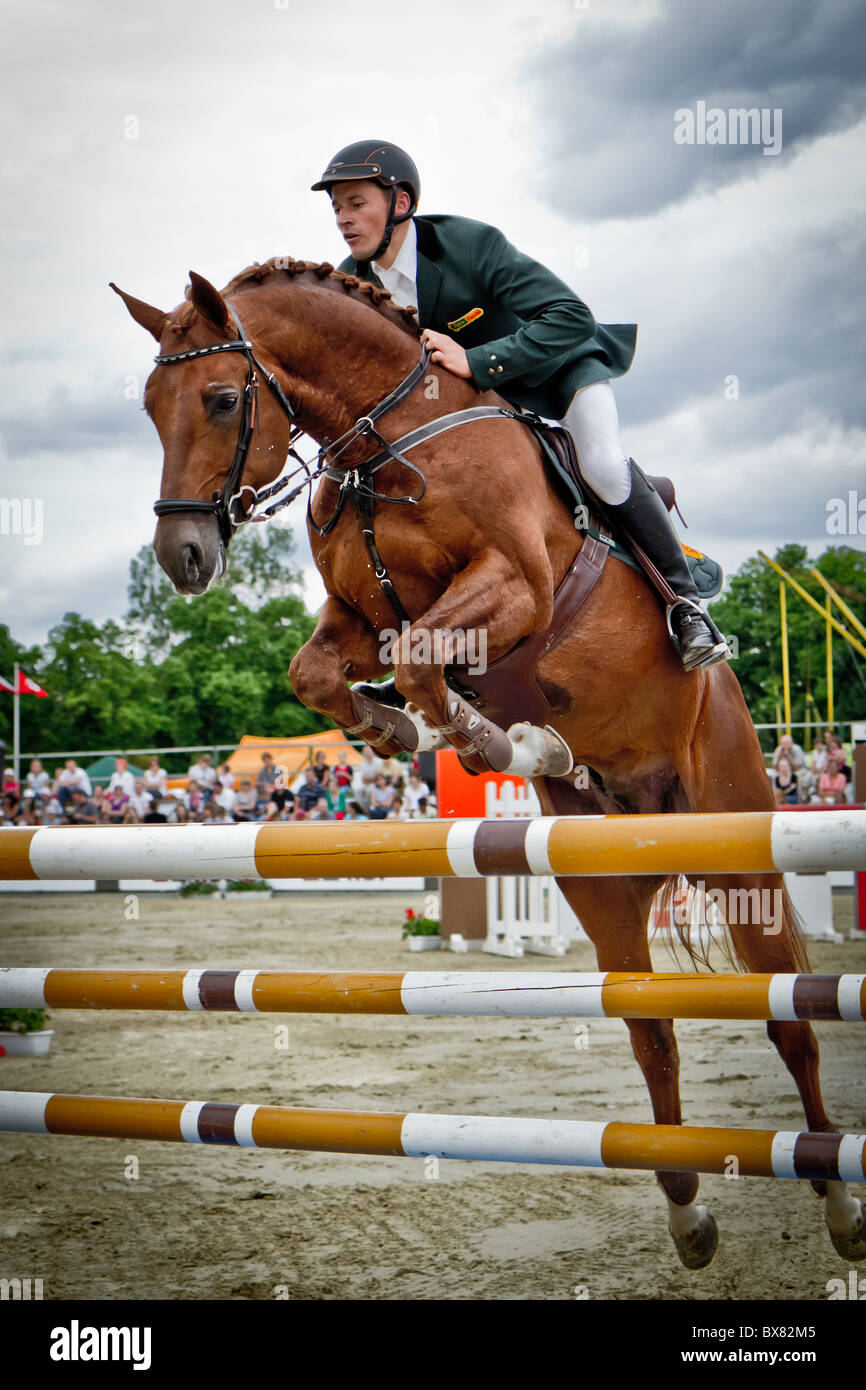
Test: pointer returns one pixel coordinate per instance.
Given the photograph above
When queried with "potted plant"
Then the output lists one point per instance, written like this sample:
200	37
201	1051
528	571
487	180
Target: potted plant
23	1033
423	932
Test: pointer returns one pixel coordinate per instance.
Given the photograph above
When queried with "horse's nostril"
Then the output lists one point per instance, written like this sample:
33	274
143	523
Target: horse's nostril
193	558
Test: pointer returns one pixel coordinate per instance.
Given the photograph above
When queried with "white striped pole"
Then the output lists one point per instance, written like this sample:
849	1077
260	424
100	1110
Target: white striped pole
582	1144
444	993
741	843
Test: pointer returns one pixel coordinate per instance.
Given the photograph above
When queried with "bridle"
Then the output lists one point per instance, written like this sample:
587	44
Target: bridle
222	503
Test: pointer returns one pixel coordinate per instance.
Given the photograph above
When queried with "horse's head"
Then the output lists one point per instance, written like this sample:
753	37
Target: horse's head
220	433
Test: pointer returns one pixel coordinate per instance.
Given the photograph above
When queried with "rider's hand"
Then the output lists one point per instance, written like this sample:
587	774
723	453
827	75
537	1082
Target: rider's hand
446	353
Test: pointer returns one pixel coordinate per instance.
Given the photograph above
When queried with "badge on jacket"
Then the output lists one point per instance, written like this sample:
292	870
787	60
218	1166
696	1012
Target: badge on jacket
470	317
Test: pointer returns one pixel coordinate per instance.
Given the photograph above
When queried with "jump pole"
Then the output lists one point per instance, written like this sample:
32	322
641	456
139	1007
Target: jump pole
737	843
444	993
575	1143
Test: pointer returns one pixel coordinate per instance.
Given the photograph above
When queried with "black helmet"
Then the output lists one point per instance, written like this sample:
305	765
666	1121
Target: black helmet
387	165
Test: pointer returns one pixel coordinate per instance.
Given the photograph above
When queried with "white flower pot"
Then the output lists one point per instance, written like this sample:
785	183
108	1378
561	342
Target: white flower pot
26	1044
424	943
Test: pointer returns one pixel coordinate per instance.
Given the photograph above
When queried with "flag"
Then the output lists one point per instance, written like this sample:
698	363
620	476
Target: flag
7	685
26	686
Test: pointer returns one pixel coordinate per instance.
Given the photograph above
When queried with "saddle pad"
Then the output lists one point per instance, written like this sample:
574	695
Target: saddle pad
707	574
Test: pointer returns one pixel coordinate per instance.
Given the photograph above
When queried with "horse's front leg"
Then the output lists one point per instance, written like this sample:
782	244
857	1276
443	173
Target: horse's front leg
345	648
488	607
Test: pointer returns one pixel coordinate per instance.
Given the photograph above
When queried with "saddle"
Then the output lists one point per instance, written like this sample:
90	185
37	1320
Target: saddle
508	690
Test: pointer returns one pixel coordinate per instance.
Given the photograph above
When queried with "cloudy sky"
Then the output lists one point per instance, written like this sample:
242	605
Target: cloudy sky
140	141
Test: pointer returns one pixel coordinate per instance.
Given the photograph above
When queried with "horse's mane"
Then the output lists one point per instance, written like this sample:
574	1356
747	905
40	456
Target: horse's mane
379	299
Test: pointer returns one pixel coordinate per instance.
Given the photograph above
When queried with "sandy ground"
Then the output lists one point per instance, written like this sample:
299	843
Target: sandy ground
218	1223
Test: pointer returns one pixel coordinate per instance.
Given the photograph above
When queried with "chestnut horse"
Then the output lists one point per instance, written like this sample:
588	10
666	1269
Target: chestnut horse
484	547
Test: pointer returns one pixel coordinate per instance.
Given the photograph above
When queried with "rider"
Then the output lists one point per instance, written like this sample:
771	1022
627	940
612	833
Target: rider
501	320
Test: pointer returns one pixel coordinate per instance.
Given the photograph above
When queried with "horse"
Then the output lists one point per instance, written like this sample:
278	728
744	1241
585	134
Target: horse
468	535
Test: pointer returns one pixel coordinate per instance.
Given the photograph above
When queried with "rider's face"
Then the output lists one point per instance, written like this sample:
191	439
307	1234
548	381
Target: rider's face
361	208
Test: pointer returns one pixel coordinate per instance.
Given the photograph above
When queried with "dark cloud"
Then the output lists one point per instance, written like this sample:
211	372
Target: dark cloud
783	318
604	100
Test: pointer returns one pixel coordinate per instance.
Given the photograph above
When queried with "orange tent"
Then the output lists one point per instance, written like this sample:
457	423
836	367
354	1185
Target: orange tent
294	754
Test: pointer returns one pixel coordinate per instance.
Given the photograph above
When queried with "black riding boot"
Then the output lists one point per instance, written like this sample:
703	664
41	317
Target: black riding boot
644	517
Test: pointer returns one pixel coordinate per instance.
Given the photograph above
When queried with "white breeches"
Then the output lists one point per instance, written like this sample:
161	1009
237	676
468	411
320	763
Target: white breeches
592	420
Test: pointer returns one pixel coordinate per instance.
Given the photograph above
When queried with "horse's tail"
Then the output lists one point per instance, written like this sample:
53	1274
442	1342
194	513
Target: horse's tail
697	919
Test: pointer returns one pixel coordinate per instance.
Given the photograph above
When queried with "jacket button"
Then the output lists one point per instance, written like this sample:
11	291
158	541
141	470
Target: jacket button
499	369
490	371
493	357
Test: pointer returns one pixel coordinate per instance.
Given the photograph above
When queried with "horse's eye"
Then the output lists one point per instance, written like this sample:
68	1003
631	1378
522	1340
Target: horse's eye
225	403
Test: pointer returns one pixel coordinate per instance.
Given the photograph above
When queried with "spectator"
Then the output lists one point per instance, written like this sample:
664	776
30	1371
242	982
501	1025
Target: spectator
154	816
116	803
140	799
204	775
267	778
155	778
807	784
343	773
393	768
819	757
366	773
215	814
195	800
68	780
322	810
182	814
246	800
427	809
831	783
308	795
82	810
381	798
354	811
785	789
414	791
836	751
38	781
320	767
122	777
792	751
397	811
130	816
226	796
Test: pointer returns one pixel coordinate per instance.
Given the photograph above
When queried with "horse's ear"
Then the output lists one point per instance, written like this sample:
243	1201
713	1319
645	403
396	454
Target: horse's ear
144	314
208	301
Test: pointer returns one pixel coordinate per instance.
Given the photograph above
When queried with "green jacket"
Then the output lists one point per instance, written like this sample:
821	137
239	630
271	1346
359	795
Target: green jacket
535	341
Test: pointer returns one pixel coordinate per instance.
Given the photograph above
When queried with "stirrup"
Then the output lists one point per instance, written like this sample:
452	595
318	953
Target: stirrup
710	655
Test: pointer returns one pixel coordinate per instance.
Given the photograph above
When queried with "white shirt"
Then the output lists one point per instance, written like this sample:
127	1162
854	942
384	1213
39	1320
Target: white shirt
401	277
124	780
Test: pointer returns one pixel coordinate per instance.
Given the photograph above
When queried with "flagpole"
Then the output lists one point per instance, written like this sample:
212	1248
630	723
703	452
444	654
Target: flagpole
16	725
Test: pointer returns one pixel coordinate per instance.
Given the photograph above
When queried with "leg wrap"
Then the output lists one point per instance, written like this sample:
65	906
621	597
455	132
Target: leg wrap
490	742
380	724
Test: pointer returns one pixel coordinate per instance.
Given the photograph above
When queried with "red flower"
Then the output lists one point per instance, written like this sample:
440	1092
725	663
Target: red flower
409	914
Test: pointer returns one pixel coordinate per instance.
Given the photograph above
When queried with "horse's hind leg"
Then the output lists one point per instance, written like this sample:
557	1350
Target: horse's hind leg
767	939
614	912
729	775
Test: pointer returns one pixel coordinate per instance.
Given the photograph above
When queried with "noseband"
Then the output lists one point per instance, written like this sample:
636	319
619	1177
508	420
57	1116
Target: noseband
222	503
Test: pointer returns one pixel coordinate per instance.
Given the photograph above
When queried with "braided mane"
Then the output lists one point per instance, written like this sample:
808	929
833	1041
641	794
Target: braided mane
379	299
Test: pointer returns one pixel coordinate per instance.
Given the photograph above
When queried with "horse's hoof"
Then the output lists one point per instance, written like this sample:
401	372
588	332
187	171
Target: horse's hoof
538	752
851	1245
697	1247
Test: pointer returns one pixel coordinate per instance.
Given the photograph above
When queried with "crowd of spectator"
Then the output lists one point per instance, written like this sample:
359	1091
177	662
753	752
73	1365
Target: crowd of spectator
373	789
823	779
